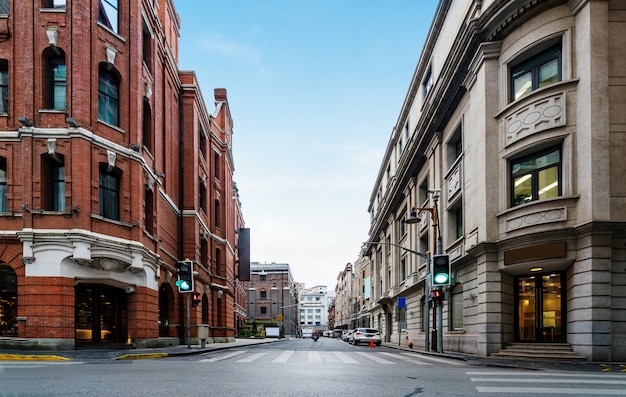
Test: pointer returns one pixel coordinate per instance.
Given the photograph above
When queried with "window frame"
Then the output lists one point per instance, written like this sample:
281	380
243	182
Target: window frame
54	85
108	97
533	64
53	186
105	13
109	204
4	86
534	174
3	184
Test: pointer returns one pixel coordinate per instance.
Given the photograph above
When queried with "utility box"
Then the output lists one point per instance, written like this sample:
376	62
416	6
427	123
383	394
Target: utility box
203	331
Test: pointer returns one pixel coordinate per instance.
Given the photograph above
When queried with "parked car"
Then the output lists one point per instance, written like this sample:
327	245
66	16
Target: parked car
307	333
365	335
344	334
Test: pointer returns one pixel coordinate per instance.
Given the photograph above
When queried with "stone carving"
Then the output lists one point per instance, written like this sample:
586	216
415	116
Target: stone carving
543	114
537	218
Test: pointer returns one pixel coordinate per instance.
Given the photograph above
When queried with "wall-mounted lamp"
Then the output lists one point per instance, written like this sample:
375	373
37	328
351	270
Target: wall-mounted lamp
135	147
72	123
160	174
413	217
25	122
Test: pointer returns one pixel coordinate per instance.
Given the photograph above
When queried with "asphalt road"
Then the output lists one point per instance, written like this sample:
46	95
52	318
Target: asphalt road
298	367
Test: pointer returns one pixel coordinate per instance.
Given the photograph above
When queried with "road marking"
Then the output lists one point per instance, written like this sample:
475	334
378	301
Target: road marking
253	357
374	357
223	356
553	379
314	357
345	358
407	359
449	361
284	357
551	390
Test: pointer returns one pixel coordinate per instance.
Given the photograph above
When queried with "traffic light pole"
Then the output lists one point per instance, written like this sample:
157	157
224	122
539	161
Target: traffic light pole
188	321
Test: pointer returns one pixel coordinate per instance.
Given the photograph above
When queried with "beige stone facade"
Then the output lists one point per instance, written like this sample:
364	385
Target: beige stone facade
514	121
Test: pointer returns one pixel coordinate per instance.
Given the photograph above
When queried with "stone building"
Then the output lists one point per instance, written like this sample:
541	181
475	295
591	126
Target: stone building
112	169
511	137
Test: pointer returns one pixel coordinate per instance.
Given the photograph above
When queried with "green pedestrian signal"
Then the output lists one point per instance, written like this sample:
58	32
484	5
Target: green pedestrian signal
441	270
185	276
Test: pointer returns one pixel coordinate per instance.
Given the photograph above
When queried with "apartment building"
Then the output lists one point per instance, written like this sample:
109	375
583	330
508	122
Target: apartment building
508	146
112	169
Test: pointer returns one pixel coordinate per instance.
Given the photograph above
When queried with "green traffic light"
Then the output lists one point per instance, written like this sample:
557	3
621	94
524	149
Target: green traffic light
183	285
441	278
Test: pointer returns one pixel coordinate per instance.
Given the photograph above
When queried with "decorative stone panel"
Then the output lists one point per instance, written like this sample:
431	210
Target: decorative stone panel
543	114
537	218
453	181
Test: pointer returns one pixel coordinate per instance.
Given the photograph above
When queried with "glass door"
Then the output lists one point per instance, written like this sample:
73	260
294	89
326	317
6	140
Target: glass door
540	308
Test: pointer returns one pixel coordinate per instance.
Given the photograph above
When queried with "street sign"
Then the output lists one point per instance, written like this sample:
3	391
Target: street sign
279	317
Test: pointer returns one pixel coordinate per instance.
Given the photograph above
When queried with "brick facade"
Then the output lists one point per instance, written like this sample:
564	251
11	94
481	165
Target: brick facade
76	265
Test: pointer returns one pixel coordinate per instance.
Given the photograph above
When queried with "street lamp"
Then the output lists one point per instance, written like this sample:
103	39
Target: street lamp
437	248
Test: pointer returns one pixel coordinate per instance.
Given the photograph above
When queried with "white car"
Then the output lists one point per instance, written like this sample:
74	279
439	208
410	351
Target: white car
365	335
307	333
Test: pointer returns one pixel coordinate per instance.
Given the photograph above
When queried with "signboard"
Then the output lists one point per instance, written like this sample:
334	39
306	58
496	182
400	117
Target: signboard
279	317
401	302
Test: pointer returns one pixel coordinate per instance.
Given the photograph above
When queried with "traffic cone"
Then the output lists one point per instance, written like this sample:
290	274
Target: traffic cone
372	343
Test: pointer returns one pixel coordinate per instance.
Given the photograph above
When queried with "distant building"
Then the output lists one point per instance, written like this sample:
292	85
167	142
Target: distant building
314	303
271	295
343	298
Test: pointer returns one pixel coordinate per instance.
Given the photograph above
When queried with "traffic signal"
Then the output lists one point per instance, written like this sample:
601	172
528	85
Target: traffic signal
436	294
185	276
441	270
195	299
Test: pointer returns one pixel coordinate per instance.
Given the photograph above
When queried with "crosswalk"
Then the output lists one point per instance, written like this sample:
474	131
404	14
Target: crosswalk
323	357
530	383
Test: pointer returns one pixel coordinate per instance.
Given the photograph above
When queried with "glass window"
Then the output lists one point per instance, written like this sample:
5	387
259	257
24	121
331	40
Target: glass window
538	71
56	82
53	178
4	87
108	97
108	14
8	301
263	294
109	205
3	185
56	3
456	305
428	82
536	177
4	7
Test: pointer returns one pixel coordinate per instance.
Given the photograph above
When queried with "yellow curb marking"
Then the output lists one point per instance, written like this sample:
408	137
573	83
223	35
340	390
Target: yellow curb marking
141	356
24	357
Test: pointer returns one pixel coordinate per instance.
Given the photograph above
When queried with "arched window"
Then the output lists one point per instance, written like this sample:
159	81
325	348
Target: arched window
56	80
109	186
8	301
53	182
3	184
4	86
108	96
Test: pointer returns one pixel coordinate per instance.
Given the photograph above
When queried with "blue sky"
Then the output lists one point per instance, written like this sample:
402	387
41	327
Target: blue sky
315	88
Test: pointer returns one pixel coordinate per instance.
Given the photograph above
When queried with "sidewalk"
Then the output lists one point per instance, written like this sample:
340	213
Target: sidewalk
125	353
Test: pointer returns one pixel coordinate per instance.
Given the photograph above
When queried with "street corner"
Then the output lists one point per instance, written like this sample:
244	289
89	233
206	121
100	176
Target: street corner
142	356
31	357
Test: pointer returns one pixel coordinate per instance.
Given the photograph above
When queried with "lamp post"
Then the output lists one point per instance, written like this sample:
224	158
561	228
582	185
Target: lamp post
426	286
437	248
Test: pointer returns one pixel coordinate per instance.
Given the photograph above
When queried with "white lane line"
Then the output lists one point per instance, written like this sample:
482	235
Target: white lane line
314	357
251	358
552	380
374	357
407	359
449	361
284	357
222	357
345	358
550	390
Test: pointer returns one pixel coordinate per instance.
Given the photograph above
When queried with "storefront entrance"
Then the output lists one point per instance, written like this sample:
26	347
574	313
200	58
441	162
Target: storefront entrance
100	314
540	308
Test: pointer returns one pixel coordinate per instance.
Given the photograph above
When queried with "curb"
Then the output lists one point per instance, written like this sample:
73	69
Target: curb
140	356
25	357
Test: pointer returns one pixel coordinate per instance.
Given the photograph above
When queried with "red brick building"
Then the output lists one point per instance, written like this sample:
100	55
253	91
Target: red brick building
112	169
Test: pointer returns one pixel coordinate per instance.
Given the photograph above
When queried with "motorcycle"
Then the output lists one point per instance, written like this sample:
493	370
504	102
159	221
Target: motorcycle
315	337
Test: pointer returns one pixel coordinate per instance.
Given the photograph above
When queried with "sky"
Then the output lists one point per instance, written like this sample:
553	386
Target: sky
315	88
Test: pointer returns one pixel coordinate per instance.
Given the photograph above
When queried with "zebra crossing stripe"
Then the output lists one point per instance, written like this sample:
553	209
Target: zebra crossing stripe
374	357
345	358
314	357
407	359
284	357
252	358
223	357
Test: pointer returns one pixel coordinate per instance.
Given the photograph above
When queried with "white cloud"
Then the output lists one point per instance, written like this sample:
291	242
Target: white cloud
222	46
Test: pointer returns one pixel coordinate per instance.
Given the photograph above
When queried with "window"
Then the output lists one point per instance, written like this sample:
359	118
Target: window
4	86
456	306
149	209
53	182
217	213
538	71
3	184
108	14
458	217
4	7
263	310
108	97
263	278
109	205
536	177
56	82
403	269
202	197
8	301
216	165
147	47
263	294
455	146
428	82
147	136
55	3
